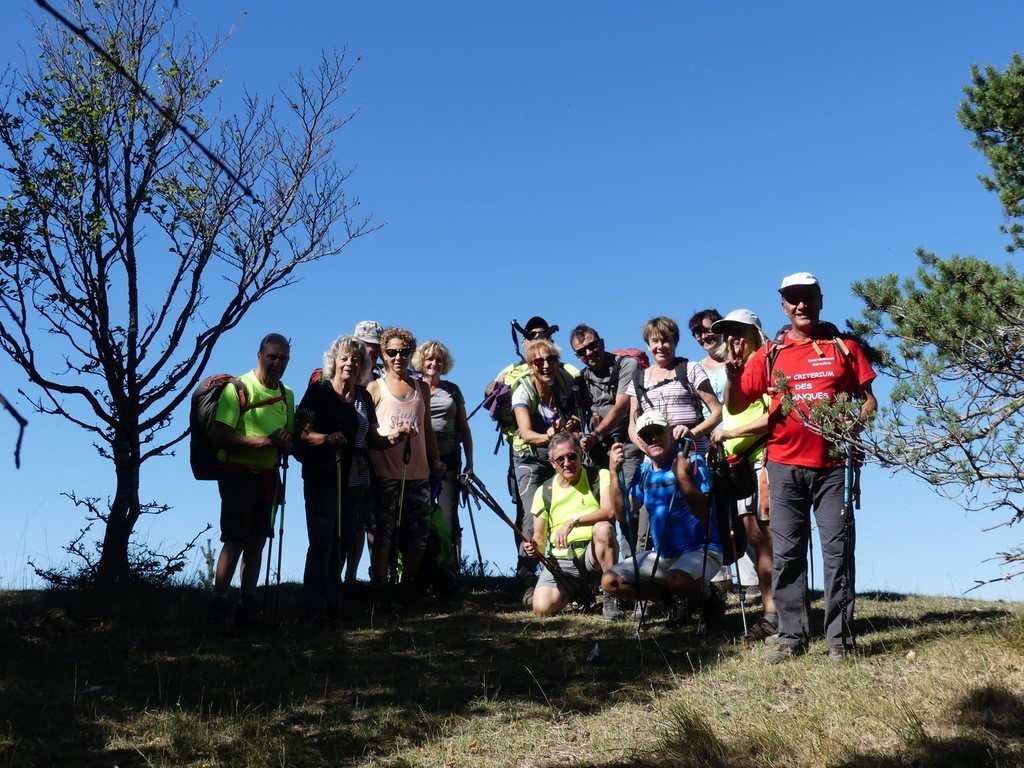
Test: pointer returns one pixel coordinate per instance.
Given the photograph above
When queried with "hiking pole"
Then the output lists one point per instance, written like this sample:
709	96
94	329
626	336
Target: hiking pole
848	505
480	492
473	412
657	551
704	584
740	591
406	454
629	532
337	530
472	522
280	536
273	516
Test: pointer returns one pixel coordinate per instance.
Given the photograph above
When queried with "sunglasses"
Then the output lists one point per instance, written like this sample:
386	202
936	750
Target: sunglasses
568	458
589	349
538	362
403	352
650	432
808	297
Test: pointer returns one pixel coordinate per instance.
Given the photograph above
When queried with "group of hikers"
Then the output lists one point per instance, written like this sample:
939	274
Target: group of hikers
614	467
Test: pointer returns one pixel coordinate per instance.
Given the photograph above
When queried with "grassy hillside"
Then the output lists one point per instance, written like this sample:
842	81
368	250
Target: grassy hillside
135	681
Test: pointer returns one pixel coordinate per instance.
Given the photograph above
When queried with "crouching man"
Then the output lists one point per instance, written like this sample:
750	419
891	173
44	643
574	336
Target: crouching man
687	552
573	519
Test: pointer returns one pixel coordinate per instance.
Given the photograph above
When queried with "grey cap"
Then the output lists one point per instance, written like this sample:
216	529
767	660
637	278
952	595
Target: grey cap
368	331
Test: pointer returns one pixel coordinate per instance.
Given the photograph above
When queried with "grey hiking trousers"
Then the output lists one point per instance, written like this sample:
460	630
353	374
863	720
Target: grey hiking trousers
794	492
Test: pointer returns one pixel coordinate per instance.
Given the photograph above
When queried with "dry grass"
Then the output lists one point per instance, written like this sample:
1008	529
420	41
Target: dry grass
482	683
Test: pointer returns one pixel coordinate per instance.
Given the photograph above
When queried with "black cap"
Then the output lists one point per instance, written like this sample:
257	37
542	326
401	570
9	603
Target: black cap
536	322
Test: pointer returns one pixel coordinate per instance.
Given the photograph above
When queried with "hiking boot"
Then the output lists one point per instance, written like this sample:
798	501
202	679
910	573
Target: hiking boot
761	631
409	593
380	595
678	613
249	616
217	617
838	654
610	608
785	652
527	598
713	610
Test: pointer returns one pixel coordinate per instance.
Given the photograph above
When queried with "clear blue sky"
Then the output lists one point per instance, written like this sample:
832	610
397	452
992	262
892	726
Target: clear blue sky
599	163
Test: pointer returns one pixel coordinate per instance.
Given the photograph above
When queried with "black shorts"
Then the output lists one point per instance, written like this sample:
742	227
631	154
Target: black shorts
247	501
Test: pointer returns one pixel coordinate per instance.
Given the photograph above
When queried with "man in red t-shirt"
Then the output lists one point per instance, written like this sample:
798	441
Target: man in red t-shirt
802	472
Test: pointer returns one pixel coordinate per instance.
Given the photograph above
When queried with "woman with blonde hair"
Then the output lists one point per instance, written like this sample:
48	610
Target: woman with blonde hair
402	516
336	422
543	404
432	360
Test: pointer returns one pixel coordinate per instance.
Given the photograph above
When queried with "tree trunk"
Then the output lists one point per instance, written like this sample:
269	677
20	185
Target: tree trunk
114	567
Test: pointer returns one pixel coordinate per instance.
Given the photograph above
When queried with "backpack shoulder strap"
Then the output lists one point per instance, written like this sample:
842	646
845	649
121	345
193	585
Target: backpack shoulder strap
243	394
545	495
616	367
594	480
683	377
640	390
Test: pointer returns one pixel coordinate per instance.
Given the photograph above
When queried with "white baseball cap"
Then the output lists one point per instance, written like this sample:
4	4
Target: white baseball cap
650	418
799	279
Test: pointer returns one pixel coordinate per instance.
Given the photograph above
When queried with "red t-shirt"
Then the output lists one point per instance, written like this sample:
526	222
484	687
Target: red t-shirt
814	370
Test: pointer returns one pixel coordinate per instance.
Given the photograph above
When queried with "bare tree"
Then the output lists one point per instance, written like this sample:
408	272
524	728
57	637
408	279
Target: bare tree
128	248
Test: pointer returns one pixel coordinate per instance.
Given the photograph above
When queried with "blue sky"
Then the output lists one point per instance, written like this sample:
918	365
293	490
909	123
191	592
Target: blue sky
598	163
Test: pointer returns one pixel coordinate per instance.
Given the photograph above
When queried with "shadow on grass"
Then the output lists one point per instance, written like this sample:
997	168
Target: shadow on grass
80	675
991	720
136	680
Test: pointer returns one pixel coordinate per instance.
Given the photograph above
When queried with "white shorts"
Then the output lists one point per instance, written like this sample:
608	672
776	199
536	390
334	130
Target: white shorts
688	562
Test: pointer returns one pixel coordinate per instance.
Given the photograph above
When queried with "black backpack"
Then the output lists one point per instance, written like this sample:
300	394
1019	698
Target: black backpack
202	415
682	376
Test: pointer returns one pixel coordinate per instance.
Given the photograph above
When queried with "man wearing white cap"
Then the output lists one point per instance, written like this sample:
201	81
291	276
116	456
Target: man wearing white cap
803	474
673	490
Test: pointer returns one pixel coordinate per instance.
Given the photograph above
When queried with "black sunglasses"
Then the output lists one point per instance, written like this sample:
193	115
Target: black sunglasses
566	459
403	352
651	432
589	349
538	362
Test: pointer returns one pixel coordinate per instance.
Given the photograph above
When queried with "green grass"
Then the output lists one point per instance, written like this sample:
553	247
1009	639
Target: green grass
135	681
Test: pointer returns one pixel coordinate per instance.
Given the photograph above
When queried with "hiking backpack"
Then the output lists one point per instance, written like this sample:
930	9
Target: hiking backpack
202	416
585	399
499	402
682	376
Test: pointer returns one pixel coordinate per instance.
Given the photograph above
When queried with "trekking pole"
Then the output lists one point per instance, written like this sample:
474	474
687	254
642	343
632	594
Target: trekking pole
849	493
741	592
337	529
704	584
473	412
657	551
273	516
280	536
629	532
406	454
480	492
472	521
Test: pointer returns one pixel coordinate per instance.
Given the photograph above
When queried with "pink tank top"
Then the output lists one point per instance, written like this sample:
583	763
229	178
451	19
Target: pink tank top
394	412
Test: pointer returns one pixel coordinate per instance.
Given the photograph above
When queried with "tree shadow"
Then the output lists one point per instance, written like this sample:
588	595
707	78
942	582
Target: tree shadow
385	679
